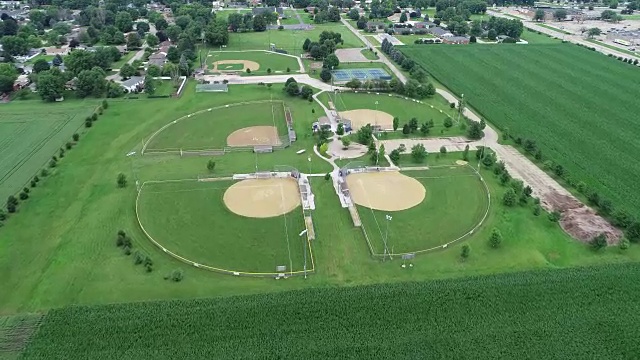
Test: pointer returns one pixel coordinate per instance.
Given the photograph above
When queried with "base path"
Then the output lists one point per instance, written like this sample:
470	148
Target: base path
262	198
254	135
385	191
251	65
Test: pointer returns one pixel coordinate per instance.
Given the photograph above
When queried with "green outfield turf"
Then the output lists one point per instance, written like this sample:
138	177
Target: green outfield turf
278	63
190	219
455	202
435	108
586	123
209	129
30	135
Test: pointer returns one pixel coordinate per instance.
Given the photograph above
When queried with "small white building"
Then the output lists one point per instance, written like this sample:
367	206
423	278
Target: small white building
133	83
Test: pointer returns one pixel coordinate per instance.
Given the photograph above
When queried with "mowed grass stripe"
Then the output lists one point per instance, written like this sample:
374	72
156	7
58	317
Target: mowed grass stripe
585	124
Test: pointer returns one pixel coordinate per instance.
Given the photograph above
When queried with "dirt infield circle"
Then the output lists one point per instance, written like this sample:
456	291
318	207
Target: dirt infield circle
362	117
252	65
386	191
254	135
262	198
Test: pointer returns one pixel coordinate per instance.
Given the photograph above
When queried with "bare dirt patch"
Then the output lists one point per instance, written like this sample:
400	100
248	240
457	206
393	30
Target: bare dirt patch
362	117
252	65
461	162
386	191
262	198
254	135
351	55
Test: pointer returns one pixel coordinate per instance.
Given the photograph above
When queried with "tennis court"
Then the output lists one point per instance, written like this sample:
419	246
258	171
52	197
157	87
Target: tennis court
360	74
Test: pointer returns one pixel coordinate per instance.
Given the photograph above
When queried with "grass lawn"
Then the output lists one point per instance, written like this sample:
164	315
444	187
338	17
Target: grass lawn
631	17
60	249
165	87
613	47
31	132
267	60
123	60
570	132
410	39
396	106
291	19
209	130
41	56
372	39
289	40
371	55
455	202
553	28
191	219
532	37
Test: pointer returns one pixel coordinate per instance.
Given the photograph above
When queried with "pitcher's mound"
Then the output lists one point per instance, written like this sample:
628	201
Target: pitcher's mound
386	191
262	198
254	135
361	117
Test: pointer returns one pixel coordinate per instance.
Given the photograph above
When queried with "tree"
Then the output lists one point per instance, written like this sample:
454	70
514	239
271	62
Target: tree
259	23
14	45
554	216
443	150
133	41
331	61
124	22
492	34
173	55
325	75
598	242
306	92
40	65
127	71
396	123
345	142
121	180
394	155
57	60
448	122
211	165
353	14
560	14
464	253
153	71
152	40
509	197
149	85
50	84
403	18
361	23
593	32
216	34
474	131
418	153
353	84
539	15
91	82
495	239
292	88
406	130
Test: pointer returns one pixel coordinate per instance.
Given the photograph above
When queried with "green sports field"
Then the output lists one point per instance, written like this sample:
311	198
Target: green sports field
580	116
435	108
29	137
209	129
455	202
278	63
190	219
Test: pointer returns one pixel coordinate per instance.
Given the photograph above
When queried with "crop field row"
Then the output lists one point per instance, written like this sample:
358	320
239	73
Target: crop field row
27	140
581	115
573	313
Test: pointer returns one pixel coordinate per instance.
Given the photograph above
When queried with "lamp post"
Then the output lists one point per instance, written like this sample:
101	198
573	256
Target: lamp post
386	237
460	109
309	160
133	171
303	232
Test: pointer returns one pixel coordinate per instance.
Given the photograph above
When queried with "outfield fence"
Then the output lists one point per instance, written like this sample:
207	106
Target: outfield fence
259	175
283	140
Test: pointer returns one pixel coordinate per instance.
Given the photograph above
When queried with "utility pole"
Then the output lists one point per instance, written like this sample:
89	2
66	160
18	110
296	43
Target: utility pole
386	238
460	107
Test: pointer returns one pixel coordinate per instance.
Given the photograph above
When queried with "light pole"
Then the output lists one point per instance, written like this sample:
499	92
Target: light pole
386	237
309	160
460	105
376	114
303	232
130	156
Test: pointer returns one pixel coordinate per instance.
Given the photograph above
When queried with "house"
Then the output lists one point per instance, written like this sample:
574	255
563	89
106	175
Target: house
158	59
373	26
133	84
21	82
263	10
455	40
424	25
439	32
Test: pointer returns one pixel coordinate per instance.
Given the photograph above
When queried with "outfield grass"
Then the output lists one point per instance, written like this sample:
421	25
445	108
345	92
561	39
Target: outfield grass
398	107
209	130
276	62
585	123
455	202
30	133
289	40
191	219
583	313
60	249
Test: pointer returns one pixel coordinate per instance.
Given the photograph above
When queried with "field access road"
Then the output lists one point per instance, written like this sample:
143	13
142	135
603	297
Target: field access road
381	55
576	39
